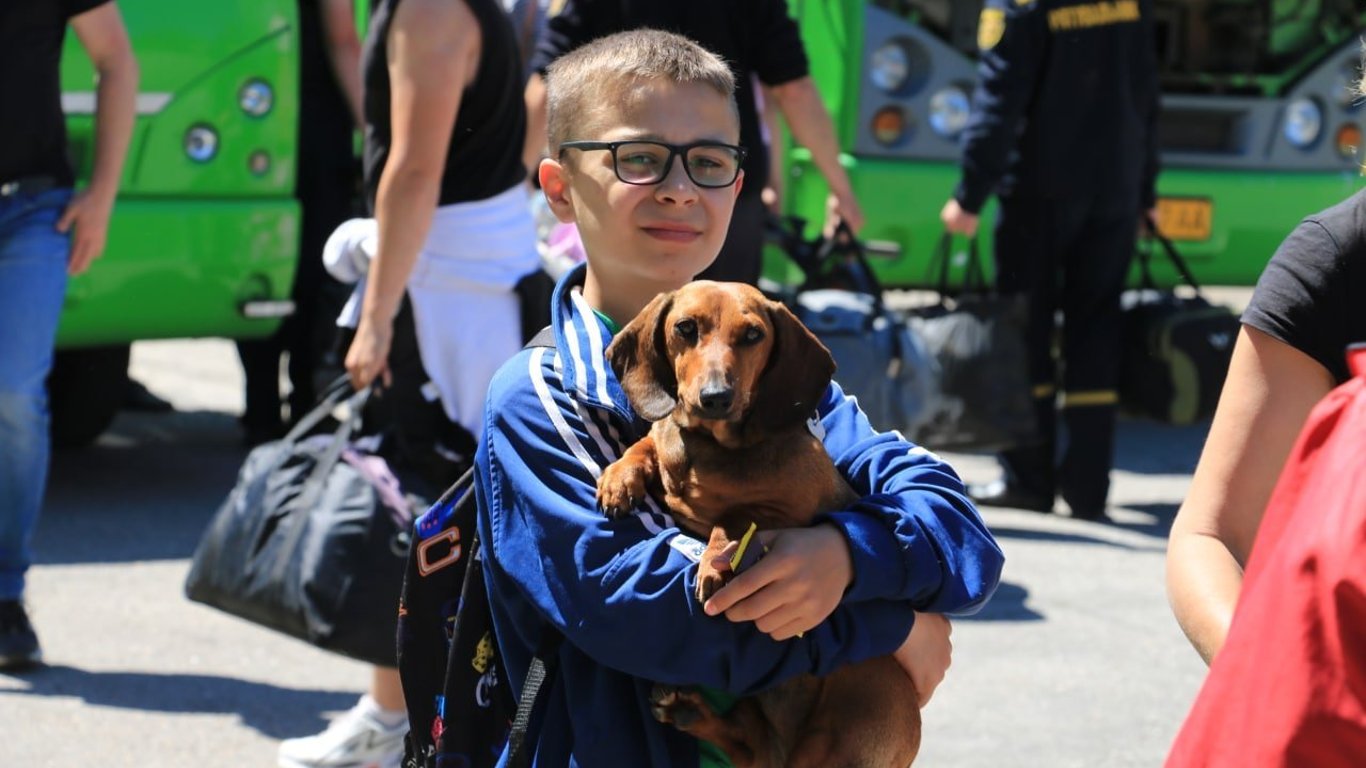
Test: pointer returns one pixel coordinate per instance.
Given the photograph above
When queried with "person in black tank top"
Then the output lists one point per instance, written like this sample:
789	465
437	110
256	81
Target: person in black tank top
444	124
482	158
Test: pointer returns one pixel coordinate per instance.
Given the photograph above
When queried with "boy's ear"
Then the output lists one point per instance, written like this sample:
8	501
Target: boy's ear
554	179
739	184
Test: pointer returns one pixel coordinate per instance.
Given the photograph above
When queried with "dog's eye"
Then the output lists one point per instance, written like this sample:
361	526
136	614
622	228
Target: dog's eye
686	328
753	335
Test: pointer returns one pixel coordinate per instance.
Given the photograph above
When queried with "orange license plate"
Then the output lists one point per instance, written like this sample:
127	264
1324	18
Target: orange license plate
1185	218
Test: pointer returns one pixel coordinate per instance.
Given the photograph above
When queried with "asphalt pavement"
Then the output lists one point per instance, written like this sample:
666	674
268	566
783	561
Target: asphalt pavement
1075	662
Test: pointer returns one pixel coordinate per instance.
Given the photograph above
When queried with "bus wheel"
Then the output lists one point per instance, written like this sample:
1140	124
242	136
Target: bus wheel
84	390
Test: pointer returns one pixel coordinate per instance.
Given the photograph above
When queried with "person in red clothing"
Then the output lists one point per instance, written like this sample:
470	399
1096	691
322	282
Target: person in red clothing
1289	684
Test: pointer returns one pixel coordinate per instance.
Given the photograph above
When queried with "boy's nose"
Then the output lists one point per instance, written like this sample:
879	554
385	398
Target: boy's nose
677	187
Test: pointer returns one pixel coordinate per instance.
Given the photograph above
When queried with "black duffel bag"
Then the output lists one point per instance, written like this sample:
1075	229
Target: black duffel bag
976	337
1176	348
312	539
878	360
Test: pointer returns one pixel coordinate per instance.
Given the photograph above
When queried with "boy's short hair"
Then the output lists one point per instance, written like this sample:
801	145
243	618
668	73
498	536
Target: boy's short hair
598	72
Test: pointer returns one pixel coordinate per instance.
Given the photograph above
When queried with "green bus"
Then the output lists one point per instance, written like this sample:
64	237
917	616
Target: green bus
204	235
1259	126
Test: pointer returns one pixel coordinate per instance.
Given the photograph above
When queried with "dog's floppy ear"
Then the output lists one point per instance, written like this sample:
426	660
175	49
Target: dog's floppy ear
799	370
641	360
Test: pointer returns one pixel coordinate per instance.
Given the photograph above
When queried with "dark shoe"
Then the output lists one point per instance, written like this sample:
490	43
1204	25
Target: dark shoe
137	397
18	642
1093	512
998	493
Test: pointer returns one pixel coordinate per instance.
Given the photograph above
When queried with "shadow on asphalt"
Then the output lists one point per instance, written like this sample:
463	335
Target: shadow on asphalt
1008	604
269	709
144	491
1155	528
1150	448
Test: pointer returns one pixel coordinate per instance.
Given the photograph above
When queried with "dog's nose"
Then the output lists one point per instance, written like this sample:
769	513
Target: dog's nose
716	401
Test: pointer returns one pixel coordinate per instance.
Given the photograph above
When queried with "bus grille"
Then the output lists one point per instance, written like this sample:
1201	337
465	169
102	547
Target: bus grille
1201	130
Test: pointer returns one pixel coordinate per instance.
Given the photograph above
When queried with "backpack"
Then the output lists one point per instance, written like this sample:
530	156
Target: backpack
460	710
1289	686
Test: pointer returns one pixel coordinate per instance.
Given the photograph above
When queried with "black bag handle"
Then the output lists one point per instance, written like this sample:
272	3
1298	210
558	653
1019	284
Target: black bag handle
974	278
1172	254
843	244
335	393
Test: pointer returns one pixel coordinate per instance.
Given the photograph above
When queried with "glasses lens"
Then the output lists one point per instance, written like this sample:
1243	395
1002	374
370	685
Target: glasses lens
640	163
713	165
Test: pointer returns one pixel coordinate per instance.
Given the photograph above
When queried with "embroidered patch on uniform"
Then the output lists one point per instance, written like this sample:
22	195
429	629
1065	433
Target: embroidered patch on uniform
1093	15
991	26
690	547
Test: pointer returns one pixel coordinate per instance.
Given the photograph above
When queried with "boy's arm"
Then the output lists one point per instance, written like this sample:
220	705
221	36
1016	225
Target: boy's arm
343	51
913	534
105	39
622	590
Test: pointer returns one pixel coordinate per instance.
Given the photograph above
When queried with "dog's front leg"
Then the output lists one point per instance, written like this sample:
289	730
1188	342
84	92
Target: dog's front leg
711	577
625	482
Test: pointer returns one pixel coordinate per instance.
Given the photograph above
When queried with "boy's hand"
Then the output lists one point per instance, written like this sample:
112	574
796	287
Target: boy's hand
794	587
927	653
89	215
368	357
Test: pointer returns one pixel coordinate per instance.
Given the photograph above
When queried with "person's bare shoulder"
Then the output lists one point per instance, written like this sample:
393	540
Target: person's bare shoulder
436	19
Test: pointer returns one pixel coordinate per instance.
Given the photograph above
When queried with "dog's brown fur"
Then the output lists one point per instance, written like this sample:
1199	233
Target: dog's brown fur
720	466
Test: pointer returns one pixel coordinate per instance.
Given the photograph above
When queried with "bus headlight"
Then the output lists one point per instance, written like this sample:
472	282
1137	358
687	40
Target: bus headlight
1303	122
949	109
256	98
1348	140
889	66
201	143
889	126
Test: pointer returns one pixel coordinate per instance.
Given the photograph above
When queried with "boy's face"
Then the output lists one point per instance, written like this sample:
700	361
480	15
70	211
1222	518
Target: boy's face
658	236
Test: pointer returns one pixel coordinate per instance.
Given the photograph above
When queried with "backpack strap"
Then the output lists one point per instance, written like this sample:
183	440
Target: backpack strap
543	338
547	656
542	668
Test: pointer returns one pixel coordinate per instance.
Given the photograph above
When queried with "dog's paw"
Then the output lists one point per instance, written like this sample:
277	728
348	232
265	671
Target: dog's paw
679	707
621	488
710	579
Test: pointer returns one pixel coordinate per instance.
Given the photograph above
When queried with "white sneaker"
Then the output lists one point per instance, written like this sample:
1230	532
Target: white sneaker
357	739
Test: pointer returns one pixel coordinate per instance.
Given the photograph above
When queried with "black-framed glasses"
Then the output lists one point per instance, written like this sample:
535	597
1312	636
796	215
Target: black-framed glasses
709	164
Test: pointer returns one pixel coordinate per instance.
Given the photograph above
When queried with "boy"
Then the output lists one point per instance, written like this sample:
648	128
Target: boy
620	591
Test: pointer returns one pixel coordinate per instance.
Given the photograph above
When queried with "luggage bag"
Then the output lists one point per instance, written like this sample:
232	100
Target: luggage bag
1176	348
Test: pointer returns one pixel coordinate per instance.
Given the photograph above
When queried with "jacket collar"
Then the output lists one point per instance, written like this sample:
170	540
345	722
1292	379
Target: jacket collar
581	338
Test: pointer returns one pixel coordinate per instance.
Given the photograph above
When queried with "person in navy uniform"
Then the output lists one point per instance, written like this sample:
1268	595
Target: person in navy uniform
1063	132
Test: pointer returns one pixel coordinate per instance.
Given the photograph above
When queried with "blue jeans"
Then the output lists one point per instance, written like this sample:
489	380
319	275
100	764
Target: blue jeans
33	257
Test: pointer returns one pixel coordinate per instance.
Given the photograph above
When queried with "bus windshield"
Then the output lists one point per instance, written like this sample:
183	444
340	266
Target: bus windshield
1204	46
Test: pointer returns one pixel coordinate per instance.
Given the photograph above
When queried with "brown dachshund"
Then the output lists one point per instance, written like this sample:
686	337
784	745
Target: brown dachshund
729	379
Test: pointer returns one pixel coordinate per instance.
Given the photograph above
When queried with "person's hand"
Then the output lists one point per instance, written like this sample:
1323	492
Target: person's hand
957	220
926	653
843	206
368	357
1152	216
794	587
772	199
89	215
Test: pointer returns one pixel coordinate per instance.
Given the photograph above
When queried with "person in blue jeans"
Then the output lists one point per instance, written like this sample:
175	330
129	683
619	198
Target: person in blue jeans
48	231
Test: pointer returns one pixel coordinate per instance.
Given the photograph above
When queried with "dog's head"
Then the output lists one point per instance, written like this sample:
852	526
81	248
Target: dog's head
720	353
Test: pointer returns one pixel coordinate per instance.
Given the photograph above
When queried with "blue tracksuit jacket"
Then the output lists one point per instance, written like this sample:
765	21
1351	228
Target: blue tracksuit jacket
621	591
